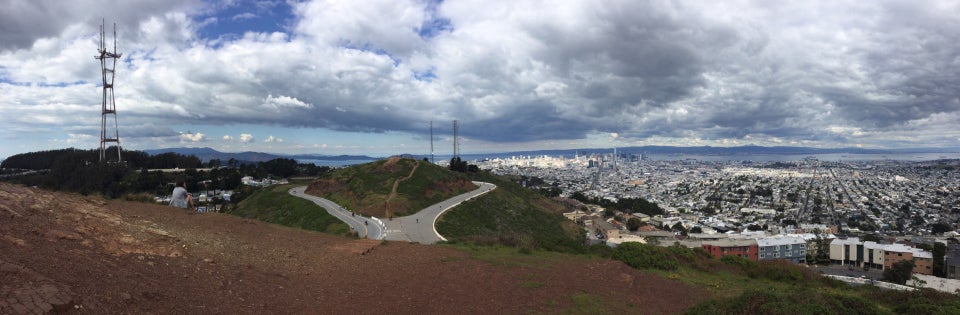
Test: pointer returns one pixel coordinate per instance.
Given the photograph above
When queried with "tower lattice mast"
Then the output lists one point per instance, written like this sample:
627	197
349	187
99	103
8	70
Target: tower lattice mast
108	65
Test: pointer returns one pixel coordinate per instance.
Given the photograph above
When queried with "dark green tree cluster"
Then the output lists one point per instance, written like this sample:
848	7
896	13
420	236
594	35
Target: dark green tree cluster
630	205
458	165
80	171
634	224
900	272
43	160
549	192
939	265
940	228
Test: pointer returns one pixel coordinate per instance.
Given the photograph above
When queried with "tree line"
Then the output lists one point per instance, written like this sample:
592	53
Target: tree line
629	205
80	171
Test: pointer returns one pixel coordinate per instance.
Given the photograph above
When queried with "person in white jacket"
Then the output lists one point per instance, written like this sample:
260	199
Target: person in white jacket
181	198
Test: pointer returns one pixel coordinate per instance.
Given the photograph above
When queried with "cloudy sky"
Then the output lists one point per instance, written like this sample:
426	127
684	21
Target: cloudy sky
368	77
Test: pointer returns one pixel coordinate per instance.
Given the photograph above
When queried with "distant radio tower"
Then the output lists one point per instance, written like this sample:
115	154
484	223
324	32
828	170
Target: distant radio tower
108	65
615	169
431	142
456	139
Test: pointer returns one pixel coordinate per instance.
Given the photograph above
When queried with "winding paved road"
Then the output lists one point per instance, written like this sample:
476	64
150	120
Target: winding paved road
370	228
419	227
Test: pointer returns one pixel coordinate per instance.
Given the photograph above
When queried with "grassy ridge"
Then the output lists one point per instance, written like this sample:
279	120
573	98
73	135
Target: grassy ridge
740	286
275	205
511	215
366	188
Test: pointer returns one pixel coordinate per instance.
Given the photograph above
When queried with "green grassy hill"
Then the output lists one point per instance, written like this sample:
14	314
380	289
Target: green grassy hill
511	215
275	205
740	286
367	188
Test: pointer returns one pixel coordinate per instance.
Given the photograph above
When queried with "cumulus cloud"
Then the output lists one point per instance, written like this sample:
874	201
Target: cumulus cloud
281	102
192	137
227	138
272	139
678	72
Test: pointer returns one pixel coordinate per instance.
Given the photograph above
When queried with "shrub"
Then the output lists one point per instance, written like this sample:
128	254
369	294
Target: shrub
804	301
643	256
743	263
777	271
601	250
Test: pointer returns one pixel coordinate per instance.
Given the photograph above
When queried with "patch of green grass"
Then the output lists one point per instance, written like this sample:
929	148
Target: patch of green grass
798	301
511	215
275	205
783	288
367	187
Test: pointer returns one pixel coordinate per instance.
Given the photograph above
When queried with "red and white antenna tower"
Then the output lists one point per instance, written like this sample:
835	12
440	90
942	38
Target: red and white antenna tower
108	65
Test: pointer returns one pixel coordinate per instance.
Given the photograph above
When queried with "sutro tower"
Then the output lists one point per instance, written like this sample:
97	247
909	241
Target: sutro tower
108	65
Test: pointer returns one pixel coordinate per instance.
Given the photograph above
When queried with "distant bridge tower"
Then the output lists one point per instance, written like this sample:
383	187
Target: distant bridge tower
456	139
108	65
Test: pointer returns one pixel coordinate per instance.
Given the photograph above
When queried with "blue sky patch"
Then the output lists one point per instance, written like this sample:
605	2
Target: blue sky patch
368	47
436	24
425	76
246	16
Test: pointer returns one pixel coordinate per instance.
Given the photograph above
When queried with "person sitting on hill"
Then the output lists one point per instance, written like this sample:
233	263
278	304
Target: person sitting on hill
181	198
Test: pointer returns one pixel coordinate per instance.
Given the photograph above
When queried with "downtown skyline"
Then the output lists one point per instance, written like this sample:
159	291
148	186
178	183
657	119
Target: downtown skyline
368	77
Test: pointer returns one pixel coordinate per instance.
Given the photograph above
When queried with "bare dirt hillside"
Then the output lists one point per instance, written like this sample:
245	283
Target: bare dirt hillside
71	253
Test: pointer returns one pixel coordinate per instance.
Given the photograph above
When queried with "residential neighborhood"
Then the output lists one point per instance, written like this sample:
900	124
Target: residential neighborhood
863	215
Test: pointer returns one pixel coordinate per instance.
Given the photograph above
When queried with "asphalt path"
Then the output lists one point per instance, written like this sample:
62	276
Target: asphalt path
366	227
421	226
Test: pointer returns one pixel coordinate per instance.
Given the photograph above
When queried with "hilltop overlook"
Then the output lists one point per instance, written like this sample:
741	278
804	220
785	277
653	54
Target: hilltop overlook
509	215
62	252
390	188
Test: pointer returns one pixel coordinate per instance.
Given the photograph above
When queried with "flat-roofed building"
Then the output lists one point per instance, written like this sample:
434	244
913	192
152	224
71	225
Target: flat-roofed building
922	260
882	256
953	262
789	248
746	248
846	251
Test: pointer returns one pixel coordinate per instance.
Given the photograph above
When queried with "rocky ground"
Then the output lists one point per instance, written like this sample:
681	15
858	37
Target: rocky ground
71	253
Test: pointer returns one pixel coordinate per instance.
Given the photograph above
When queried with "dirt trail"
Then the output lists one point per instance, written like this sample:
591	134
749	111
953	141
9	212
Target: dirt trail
396	183
82	254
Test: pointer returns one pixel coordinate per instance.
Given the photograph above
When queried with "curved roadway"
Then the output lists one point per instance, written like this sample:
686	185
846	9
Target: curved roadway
365	227
419	227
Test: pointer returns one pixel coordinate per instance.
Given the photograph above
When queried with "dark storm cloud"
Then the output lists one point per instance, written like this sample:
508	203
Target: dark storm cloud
524	122
22	22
